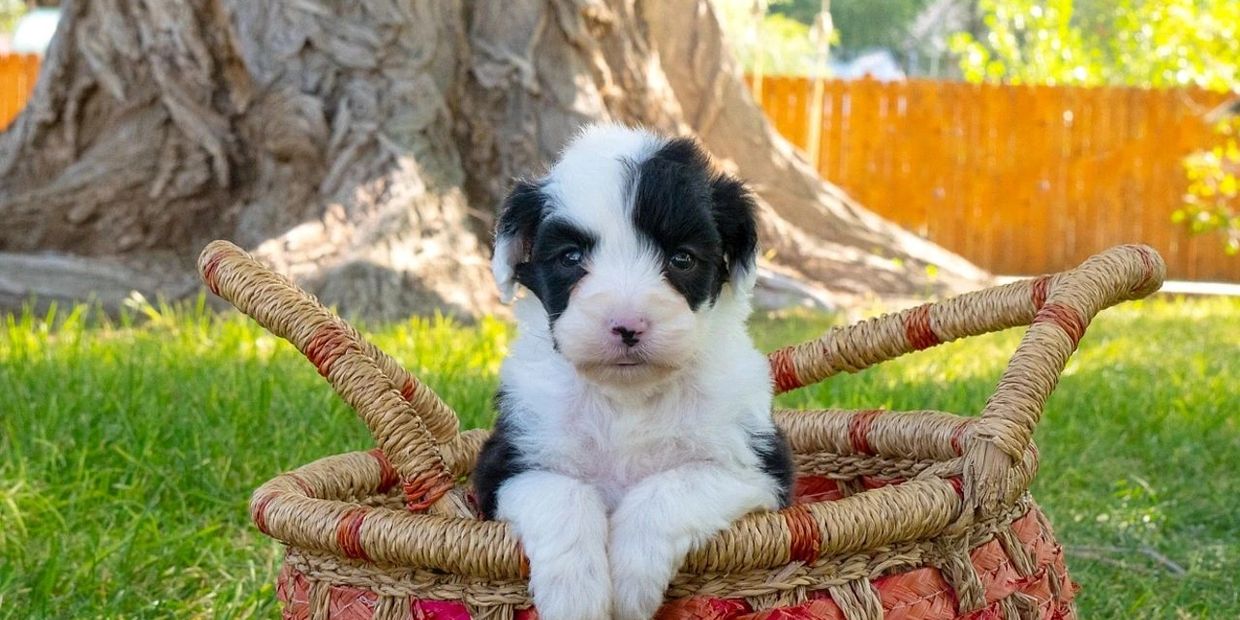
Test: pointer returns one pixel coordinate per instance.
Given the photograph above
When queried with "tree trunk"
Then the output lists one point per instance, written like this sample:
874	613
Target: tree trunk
362	147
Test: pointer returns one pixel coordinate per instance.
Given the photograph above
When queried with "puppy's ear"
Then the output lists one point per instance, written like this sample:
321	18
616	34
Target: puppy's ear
733	208
735	213
514	233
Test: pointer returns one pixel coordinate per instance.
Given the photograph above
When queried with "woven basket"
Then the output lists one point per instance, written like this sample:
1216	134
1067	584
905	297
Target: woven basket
917	514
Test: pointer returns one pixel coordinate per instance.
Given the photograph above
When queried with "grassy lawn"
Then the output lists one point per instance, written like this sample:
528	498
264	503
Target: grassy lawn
127	454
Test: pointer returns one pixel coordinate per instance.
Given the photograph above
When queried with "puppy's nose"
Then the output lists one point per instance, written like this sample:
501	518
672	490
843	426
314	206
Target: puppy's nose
629	331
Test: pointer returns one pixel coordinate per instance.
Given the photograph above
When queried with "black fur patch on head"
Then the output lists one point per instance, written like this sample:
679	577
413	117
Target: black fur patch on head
682	203
546	274
498	460
775	459
542	241
672	208
520	214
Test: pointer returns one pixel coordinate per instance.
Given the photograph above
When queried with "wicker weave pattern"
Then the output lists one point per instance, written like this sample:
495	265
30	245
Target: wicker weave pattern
904	514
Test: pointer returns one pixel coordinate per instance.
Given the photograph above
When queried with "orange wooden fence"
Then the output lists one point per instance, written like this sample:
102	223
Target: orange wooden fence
1018	179
17	76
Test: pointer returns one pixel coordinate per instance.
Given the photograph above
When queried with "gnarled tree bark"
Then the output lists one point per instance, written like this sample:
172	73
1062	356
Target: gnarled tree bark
362	147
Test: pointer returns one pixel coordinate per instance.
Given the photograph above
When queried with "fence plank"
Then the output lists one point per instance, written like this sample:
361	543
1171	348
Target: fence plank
17	77
896	147
989	245
1155	214
833	126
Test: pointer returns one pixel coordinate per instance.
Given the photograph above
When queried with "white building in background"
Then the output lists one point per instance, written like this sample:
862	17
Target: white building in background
878	63
34	31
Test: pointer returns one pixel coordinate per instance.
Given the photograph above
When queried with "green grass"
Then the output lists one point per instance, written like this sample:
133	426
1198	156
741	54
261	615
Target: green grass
127	453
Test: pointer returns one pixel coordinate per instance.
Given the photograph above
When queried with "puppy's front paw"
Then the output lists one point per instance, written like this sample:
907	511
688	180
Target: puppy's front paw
573	587
562	523
641	567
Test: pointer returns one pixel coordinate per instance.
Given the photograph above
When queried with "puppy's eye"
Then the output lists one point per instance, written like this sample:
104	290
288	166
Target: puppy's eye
570	257
682	261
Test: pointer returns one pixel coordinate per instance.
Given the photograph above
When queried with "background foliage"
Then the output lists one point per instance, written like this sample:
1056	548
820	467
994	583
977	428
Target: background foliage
10	12
861	24
785	46
1146	43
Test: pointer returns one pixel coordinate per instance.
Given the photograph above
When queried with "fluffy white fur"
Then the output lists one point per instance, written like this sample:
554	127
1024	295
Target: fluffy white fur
634	469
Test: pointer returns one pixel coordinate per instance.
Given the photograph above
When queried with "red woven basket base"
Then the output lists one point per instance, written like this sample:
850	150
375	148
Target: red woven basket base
918	594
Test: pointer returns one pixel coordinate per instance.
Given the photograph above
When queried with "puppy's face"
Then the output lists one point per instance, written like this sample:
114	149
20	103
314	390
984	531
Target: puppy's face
628	244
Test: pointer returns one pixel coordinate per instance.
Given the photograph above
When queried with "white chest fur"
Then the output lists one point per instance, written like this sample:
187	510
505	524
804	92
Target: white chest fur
615	444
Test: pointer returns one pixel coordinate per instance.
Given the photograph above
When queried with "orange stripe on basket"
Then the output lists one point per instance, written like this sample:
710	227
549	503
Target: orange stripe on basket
784	371
1067	318
426	489
326	346
1147	260
1039	290
258	514
387	474
804	538
917	329
208	271
301	484
957	485
859	430
409	389
523	567
958	437
349	534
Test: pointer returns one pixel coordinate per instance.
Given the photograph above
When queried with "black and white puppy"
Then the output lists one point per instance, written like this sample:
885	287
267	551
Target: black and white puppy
634	411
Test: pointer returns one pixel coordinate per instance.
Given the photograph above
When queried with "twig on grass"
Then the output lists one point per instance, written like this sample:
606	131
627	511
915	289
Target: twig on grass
1107	555
1104	556
1171	565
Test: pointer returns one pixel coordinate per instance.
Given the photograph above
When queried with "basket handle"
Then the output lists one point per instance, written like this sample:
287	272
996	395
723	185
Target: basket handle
407	420
1057	309
1006	426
